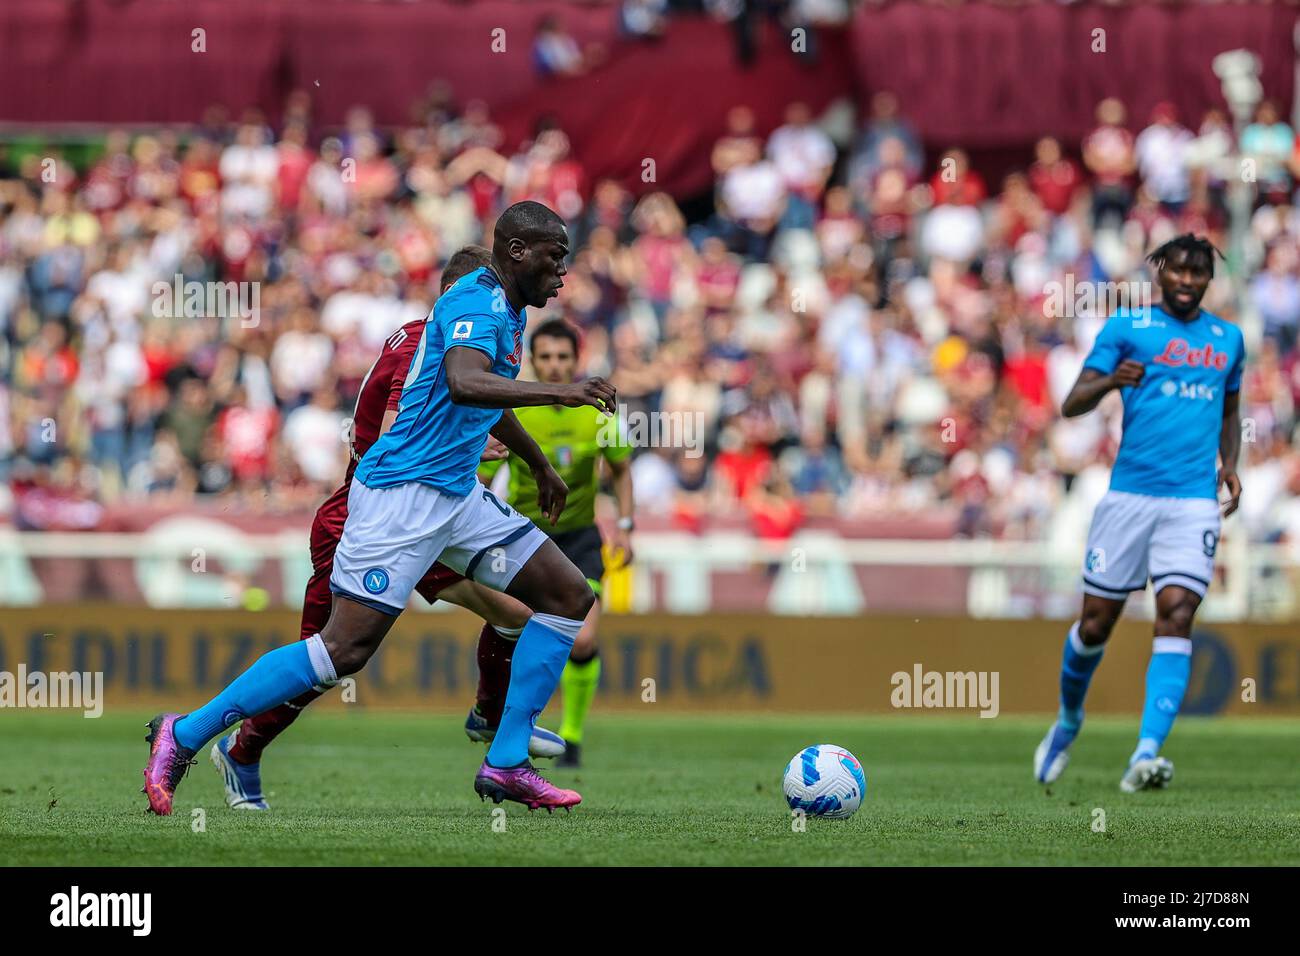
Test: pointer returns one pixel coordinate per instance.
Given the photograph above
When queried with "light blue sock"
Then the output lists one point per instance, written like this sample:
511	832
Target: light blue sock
1167	677
1078	661
275	677
539	659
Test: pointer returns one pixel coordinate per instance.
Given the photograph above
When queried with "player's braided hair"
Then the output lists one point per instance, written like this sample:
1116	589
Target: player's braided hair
1190	245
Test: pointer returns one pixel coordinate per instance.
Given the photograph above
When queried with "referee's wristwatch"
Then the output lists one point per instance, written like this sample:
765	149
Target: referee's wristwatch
626	524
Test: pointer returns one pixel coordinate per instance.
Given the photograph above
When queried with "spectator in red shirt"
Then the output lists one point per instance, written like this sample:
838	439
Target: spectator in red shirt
376	176
247	436
1018	211
49	365
200	179
1026	373
295	163
717	275
660	250
106	183
774	512
955	183
1053	178
741	467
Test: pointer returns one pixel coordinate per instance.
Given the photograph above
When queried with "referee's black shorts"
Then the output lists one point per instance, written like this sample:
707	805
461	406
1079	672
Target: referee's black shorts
582	547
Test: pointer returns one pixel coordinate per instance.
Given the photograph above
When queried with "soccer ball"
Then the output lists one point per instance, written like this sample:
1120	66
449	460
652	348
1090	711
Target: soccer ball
825	781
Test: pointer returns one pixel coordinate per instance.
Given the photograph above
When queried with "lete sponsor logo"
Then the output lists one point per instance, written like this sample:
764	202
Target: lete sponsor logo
1178	353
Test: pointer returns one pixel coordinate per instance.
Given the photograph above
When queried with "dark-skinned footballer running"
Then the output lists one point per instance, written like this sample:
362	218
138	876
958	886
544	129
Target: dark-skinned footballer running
238	757
1178	370
416	499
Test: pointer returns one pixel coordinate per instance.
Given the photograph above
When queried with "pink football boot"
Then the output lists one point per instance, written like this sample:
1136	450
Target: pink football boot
522	784
168	762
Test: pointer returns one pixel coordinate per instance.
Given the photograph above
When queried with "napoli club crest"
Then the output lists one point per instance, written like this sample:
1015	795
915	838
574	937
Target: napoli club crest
376	580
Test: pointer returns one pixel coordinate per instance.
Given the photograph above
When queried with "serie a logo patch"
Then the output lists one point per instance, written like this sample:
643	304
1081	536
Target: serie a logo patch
461	330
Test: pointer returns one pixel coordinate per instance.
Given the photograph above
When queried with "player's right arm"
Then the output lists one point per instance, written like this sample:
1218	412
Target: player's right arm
1104	369
1093	385
471	381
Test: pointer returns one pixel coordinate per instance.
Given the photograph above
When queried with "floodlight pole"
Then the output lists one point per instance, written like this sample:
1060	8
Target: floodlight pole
1238	72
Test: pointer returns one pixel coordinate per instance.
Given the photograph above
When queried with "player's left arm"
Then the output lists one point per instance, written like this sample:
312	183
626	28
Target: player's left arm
1229	450
552	492
620	473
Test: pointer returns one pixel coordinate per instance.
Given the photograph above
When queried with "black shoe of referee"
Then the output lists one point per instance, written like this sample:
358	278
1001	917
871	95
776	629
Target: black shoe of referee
572	756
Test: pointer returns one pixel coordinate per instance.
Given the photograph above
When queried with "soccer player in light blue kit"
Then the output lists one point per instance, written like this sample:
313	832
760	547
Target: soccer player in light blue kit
416	499
1178	369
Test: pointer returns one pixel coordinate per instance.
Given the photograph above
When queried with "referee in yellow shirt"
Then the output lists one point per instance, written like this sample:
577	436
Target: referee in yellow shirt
575	440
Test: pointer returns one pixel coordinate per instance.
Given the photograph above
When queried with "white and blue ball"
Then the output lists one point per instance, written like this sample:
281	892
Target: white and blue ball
825	781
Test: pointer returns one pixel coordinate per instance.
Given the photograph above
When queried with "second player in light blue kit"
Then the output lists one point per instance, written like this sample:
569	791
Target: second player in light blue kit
1178	369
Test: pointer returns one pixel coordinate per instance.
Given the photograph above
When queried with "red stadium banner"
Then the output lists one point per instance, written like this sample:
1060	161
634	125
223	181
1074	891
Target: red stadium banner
138	58
985	76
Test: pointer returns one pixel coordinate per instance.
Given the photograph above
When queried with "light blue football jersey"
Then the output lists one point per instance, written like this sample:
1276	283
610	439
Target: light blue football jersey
433	440
1172	419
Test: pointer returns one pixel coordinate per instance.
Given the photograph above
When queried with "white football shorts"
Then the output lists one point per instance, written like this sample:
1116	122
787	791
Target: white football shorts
393	535
1134	538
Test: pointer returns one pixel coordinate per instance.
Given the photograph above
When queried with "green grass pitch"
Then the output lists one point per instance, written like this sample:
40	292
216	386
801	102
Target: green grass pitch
359	789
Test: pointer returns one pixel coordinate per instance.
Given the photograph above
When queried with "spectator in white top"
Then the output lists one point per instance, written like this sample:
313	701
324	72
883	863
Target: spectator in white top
955	233
315	436
1275	294
751	202
300	360
249	168
804	155
655	481
124	288
1162	157
643	18
1270	142
555	52
325	186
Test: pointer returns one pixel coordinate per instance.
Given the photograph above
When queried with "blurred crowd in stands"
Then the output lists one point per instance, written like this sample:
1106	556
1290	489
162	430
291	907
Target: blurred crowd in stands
863	327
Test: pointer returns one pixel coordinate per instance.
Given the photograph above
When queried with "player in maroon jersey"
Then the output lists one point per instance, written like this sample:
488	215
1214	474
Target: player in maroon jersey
238	756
